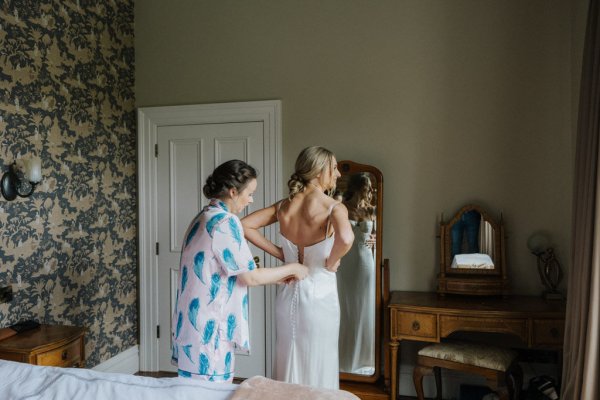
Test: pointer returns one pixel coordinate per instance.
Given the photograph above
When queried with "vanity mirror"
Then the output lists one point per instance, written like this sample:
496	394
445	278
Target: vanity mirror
472	254
361	274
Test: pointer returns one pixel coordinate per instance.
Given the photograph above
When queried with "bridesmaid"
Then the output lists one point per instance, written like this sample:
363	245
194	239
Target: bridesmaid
211	313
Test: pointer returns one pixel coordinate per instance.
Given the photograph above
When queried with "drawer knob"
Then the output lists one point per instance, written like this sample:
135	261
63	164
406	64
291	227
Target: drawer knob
554	332
416	326
64	355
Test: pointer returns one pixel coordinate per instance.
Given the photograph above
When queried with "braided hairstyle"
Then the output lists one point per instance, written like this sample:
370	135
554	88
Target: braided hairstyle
310	163
231	174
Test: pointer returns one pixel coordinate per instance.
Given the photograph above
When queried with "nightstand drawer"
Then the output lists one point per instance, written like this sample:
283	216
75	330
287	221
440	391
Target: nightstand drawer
66	356
548	332
415	324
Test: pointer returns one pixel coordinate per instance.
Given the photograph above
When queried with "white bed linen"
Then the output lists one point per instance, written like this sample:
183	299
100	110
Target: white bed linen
19	381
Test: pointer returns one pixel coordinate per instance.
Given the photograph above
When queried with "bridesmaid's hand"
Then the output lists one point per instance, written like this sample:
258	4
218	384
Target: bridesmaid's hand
300	271
287	281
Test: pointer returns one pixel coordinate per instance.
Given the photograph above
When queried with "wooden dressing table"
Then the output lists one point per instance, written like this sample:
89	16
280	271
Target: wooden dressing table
430	317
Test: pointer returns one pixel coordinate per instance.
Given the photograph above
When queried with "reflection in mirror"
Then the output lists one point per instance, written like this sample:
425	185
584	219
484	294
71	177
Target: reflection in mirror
472	254
356	276
472	242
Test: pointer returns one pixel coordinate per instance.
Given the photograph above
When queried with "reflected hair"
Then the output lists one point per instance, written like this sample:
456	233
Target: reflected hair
356	185
233	174
310	163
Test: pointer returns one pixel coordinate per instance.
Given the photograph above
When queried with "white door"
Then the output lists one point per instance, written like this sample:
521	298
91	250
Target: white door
187	154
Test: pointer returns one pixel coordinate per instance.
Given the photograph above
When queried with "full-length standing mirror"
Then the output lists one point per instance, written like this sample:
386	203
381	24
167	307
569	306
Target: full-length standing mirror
359	277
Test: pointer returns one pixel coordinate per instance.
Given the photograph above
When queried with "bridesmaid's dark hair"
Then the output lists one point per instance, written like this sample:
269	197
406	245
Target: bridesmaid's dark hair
231	174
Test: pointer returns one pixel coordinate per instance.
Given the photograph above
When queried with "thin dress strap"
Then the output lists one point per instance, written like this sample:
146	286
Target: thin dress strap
279	208
329	218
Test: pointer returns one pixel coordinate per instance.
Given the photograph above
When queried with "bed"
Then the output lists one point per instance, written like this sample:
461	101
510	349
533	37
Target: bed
19	381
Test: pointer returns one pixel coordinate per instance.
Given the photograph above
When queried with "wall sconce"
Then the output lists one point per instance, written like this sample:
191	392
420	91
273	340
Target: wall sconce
548	266
20	180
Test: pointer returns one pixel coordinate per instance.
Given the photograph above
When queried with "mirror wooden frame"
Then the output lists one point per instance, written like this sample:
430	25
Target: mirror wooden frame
347	167
472	281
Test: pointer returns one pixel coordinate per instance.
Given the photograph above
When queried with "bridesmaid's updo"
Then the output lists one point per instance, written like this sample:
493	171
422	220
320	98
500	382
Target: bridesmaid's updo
231	174
310	162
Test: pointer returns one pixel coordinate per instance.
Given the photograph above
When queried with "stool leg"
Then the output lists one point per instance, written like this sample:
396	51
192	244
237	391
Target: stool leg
418	373
437	372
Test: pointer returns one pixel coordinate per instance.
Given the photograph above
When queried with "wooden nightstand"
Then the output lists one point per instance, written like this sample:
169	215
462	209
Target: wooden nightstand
49	345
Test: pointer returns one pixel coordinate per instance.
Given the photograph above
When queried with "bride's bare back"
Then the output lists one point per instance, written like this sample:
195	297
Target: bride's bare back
303	220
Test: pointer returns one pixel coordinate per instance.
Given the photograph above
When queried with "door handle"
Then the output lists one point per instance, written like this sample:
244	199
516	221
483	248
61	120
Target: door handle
257	261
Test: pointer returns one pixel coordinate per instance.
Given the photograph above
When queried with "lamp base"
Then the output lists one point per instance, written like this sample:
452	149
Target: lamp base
547	295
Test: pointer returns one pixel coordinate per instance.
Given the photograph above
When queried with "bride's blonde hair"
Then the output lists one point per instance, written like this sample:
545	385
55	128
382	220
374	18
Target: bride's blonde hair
310	163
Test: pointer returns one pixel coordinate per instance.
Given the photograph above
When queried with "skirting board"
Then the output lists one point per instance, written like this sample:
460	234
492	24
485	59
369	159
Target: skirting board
126	362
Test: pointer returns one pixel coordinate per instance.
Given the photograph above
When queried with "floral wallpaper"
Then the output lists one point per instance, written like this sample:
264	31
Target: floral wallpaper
67	96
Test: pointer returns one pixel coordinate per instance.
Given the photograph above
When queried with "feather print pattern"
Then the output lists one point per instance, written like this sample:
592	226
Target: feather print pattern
235	231
208	331
230	286
215	285
204	364
184	374
214	221
231	325
184	277
186	350
251	265
229	260
198	265
193	312
217	338
179	324
227	366
245	306
174	353
192	233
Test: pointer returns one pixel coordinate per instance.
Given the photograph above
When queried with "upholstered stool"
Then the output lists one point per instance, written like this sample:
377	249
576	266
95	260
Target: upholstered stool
499	366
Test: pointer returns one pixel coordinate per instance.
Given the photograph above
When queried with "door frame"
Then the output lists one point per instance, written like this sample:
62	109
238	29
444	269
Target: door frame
149	119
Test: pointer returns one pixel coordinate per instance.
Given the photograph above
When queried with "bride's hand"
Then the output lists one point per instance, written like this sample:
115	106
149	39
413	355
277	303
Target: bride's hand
334	267
279	254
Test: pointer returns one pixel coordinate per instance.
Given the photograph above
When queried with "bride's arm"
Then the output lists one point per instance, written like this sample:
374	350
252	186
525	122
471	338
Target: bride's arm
343	236
259	219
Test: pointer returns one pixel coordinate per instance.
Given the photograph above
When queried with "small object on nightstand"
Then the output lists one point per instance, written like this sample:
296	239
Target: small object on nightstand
19	327
25	326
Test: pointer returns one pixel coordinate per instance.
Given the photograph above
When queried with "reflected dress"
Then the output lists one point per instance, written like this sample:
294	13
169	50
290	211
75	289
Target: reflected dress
308	321
356	286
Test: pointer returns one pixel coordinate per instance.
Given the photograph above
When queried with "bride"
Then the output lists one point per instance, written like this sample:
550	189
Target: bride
315	231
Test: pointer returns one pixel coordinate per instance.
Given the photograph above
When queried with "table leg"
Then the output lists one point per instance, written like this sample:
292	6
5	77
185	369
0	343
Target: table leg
394	345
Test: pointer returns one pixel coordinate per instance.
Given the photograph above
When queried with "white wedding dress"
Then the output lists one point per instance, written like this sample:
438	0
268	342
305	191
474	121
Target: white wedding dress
356	285
308	321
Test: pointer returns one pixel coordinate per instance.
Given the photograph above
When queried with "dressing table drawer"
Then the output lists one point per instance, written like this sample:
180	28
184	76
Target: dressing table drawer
420	325
514	326
548	332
